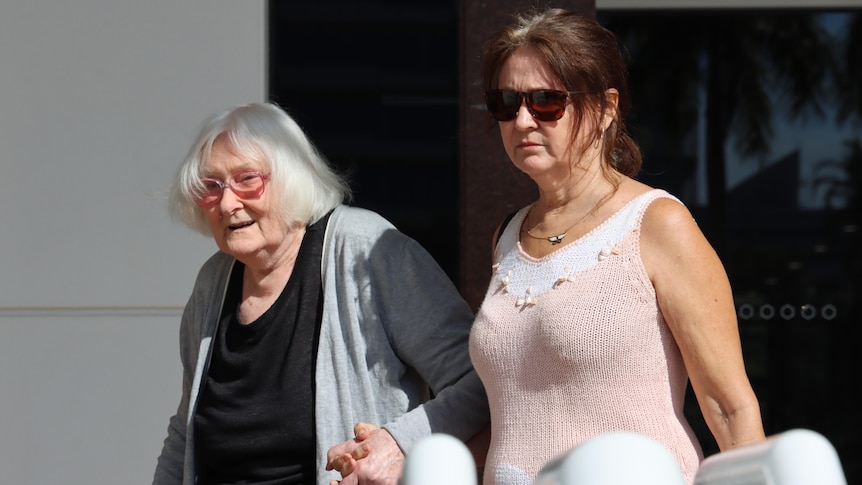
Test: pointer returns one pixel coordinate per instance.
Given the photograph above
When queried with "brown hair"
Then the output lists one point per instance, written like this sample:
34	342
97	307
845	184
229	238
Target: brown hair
584	56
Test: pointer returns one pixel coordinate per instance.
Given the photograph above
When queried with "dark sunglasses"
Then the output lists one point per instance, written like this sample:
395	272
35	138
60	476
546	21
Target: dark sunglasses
543	104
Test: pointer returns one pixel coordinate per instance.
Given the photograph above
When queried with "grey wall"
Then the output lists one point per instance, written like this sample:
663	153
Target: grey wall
99	100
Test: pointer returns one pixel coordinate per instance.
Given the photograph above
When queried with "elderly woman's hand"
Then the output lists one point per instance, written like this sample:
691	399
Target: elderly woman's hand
371	458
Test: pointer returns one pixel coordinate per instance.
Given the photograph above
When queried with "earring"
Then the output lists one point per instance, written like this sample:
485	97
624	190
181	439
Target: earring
598	142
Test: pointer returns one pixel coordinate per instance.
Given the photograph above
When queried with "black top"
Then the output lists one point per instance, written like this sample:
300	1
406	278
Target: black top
255	418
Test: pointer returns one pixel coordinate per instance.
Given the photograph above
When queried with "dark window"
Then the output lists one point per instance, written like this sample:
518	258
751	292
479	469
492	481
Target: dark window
752	118
375	86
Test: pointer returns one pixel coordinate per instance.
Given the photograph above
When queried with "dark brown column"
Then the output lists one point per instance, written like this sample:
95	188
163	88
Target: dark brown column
490	185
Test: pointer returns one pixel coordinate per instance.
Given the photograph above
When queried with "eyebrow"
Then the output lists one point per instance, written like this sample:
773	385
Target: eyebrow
207	174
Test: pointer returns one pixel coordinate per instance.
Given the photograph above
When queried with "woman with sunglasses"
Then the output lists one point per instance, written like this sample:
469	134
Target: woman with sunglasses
312	317
606	299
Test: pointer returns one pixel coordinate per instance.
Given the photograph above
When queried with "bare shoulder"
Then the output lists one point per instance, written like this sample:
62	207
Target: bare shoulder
663	217
672	244
668	219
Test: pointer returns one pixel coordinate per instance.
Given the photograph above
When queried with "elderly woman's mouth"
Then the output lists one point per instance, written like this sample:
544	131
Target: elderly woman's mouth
240	225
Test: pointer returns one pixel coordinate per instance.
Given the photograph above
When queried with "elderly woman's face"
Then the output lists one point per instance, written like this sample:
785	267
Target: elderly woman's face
535	147
249	229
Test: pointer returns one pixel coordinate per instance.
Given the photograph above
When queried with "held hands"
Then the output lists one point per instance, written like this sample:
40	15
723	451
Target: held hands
371	458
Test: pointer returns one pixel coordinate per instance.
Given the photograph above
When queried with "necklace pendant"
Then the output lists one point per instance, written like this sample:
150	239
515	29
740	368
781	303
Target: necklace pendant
557	239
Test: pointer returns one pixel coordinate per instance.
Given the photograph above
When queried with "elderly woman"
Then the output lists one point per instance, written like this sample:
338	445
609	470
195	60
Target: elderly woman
312	316
607	299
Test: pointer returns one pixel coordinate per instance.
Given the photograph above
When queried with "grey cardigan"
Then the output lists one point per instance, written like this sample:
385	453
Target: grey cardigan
393	326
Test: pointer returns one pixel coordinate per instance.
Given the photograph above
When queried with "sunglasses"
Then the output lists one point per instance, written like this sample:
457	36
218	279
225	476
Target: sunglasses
543	104
247	184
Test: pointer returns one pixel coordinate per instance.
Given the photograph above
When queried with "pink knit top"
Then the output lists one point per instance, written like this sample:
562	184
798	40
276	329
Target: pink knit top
573	345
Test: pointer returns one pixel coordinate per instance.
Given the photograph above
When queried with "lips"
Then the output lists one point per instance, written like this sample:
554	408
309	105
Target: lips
240	225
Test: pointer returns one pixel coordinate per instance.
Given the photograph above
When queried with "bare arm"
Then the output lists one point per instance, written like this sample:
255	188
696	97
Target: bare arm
695	297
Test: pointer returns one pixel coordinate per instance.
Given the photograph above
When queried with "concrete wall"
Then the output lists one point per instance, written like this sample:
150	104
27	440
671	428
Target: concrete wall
99	100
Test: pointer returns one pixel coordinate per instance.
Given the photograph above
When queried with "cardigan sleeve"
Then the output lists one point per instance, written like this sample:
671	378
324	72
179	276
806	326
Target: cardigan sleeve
173	466
171	462
427	325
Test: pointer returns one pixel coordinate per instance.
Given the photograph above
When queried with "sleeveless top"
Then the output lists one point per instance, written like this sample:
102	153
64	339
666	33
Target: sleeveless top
573	345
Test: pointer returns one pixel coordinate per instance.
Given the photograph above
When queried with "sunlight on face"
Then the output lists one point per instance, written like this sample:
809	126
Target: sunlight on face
251	230
537	148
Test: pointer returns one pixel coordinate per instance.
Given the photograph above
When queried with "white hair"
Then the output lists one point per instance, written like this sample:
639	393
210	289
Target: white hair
301	180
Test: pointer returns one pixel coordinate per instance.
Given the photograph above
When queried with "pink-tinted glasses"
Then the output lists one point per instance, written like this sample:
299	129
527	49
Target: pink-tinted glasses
246	184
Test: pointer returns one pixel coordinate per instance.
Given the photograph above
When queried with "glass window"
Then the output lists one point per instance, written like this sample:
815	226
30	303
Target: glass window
374	83
752	118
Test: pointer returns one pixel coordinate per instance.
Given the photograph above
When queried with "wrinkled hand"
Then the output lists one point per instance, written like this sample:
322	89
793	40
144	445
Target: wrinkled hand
371	458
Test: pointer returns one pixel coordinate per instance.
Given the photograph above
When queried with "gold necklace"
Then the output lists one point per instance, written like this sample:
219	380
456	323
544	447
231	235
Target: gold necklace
554	240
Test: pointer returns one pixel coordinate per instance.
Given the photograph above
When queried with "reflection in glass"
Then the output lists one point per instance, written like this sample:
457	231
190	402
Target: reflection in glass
752	117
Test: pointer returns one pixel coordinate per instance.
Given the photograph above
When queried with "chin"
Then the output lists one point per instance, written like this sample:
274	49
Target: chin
239	249
532	169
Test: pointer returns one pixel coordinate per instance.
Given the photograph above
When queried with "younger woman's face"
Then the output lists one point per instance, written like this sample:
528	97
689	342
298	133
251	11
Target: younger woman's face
536	147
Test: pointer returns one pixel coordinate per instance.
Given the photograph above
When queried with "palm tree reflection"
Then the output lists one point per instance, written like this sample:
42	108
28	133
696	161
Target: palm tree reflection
712	85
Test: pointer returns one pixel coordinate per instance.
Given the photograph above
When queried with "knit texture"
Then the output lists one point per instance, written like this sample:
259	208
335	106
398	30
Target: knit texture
573	345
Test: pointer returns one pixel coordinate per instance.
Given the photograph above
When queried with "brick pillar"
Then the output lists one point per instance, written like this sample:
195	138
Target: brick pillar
491	186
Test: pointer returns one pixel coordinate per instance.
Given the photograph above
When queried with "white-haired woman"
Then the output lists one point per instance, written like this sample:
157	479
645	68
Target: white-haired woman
312	316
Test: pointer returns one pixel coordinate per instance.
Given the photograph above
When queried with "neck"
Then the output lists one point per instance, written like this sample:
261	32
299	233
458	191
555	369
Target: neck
570	178
557	213
579	191
269	273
